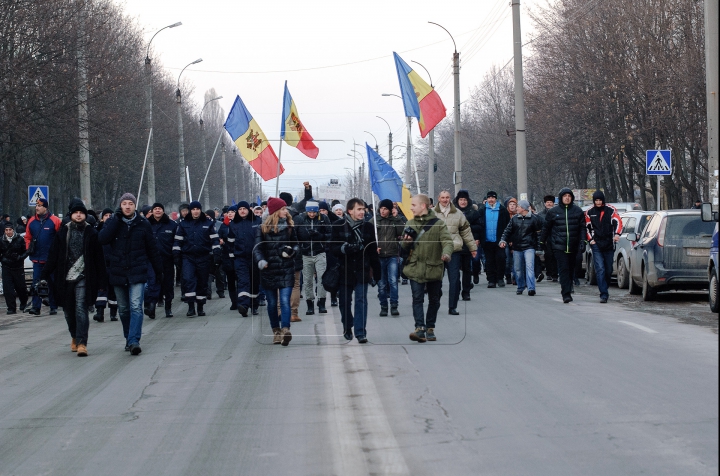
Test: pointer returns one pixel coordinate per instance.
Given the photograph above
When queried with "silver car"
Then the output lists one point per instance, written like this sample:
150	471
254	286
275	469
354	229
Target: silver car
633	222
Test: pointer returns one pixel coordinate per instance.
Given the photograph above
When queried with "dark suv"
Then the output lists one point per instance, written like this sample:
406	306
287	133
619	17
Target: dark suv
708	215
671	253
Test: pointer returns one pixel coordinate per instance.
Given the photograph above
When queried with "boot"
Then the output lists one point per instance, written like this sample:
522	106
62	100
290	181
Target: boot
286	336
151	310
321	306
394	310
295	318
311	307
419	335
221	294
73	345
113	314
200	306
383	311
191	310
242	310
82	350
277	337
430	334
99	314
168	309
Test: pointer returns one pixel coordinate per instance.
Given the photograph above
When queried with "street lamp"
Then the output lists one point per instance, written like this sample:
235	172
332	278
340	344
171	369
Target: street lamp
456	73
376	144
390	147
408	165
431	148
148	113
181	141
206	192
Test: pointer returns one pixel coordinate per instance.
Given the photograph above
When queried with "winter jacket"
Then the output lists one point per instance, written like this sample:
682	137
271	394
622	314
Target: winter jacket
503	218
242	234
131	246
164	231
95	272
39	235
196	237
13	252
564	226
313	233
356	267
522	232
424	263
20	226
459	228
472	214
280	272
601	225
389	231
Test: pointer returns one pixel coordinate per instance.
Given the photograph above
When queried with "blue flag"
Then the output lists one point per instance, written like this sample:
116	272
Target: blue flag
233	202
259	200
385	182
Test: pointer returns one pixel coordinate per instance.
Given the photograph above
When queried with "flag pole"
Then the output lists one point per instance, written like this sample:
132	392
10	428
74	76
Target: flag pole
142	174
211	161
187	175
277	177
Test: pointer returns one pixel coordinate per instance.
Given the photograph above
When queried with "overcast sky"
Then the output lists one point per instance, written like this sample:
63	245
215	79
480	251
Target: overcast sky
337	59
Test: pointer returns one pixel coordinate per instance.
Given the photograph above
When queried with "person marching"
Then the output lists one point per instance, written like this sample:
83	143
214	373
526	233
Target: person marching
493	219
313	230
12	257
39	235
603	224
106	298
431	246
275	248
389	230
227	243
164	230
521	233
77	262
197	247
242	229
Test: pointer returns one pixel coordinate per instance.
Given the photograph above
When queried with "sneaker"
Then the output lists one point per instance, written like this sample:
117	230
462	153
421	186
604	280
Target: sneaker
531	292
567	299
430	334
114	318
419	335
73	345
519	292
539	277
333	303
404	281
491	285
286	336
34	311
466	298
383	312
453	312
277	336
13	311
394	311
242	310
603	300
127	348
221	294
82	350
255	312
362	340
501	283
52	312
135	349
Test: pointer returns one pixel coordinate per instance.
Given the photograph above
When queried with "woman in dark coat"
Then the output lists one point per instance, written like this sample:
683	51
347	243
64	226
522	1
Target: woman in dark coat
276	245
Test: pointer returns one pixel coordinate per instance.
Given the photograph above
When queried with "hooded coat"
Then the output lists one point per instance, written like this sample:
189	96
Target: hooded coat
564	225
280	272
12	252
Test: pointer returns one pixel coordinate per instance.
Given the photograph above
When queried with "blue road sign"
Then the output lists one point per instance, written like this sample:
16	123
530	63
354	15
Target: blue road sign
37	191
658	162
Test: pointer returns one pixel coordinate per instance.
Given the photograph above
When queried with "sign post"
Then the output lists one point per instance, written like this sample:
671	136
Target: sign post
36	192
658	162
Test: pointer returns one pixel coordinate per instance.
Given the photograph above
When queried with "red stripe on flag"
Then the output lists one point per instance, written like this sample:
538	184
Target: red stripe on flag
266	164
306	145
432	111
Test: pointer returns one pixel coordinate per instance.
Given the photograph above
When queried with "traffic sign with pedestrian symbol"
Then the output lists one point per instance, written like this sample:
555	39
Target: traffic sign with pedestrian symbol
658	162
36	192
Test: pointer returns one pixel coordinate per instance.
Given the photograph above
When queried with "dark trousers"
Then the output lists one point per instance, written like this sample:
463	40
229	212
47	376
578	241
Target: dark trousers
76	311
494	262
196	270
36	300
165	289
453	272
14	287
248	282
566	271
359	320
551	267
228	267
434	292
217	275
466	268
107	299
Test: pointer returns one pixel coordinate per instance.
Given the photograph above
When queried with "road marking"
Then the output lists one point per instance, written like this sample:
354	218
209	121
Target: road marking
360	431
638	326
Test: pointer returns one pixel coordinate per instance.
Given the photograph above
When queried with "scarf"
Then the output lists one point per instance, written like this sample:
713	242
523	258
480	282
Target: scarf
282	224
445	210
129	220
356	227
9	238
75	258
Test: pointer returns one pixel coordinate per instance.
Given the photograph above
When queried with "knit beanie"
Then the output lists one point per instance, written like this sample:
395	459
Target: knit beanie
211	214
243	204
286	197
275	204
106	211
128	196
183	206
599	195
491	193
338	207
77	205
145	209
312	207
386	203
158	205
323	206
524	204
195	204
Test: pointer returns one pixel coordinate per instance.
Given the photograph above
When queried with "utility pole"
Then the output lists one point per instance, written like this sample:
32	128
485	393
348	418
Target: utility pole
181	140
84	138
389	140
224	175
408	164
206	191
520	148
431	164
711	85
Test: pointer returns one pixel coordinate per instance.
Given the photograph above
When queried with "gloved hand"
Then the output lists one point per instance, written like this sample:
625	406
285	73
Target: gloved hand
118	212
539	252
287	252
262	264
351	248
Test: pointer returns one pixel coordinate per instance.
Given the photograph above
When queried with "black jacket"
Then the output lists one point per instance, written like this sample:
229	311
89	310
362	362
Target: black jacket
360	266
313	233
95	273
242	234
564	227
389	231
196	237
503	220
280	272
472	215
602	224
130	248
522	232
164	232
13	253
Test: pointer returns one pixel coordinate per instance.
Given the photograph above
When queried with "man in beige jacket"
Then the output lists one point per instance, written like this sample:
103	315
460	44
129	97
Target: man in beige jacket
461	234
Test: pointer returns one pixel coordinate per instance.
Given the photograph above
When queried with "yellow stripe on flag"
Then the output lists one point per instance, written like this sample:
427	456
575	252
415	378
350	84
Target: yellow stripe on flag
252	142
405	204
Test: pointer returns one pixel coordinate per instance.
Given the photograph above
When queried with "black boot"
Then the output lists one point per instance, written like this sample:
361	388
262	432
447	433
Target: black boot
321	306
168	309
113	314
201	312
311	307
191	310
151	310
99	314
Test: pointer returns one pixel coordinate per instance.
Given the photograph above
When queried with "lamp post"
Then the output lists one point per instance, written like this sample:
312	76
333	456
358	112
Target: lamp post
148	113
431	148
206	192
456	73
408	165
520	147
376	144
181	141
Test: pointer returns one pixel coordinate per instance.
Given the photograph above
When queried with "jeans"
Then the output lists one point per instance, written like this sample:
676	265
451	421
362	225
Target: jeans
524	262
603	261
311	266
272	306
434	292
36	300
388	279
566	271
76	311
359	320
453	274
130	308
494	262
478	261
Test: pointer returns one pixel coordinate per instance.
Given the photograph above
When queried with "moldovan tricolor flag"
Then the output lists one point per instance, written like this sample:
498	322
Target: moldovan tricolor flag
293	131
419	98
251	141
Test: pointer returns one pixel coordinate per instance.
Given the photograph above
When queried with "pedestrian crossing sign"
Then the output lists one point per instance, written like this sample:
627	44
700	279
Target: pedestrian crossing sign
36	192
657	162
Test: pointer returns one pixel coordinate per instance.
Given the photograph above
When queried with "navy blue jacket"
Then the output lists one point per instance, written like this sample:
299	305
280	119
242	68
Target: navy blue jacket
39	235
164	232
130	248
196	237
243	231
313	233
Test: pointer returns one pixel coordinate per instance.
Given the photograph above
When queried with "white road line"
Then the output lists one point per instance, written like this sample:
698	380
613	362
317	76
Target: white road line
356	409
638	326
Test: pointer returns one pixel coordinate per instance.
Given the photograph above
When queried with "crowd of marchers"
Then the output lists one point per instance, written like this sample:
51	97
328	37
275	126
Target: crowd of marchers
131	260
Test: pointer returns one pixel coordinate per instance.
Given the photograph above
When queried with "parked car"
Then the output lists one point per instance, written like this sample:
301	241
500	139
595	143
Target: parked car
712	268
633	222
671	253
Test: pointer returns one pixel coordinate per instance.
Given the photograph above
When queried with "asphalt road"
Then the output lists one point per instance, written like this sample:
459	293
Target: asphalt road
516	385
